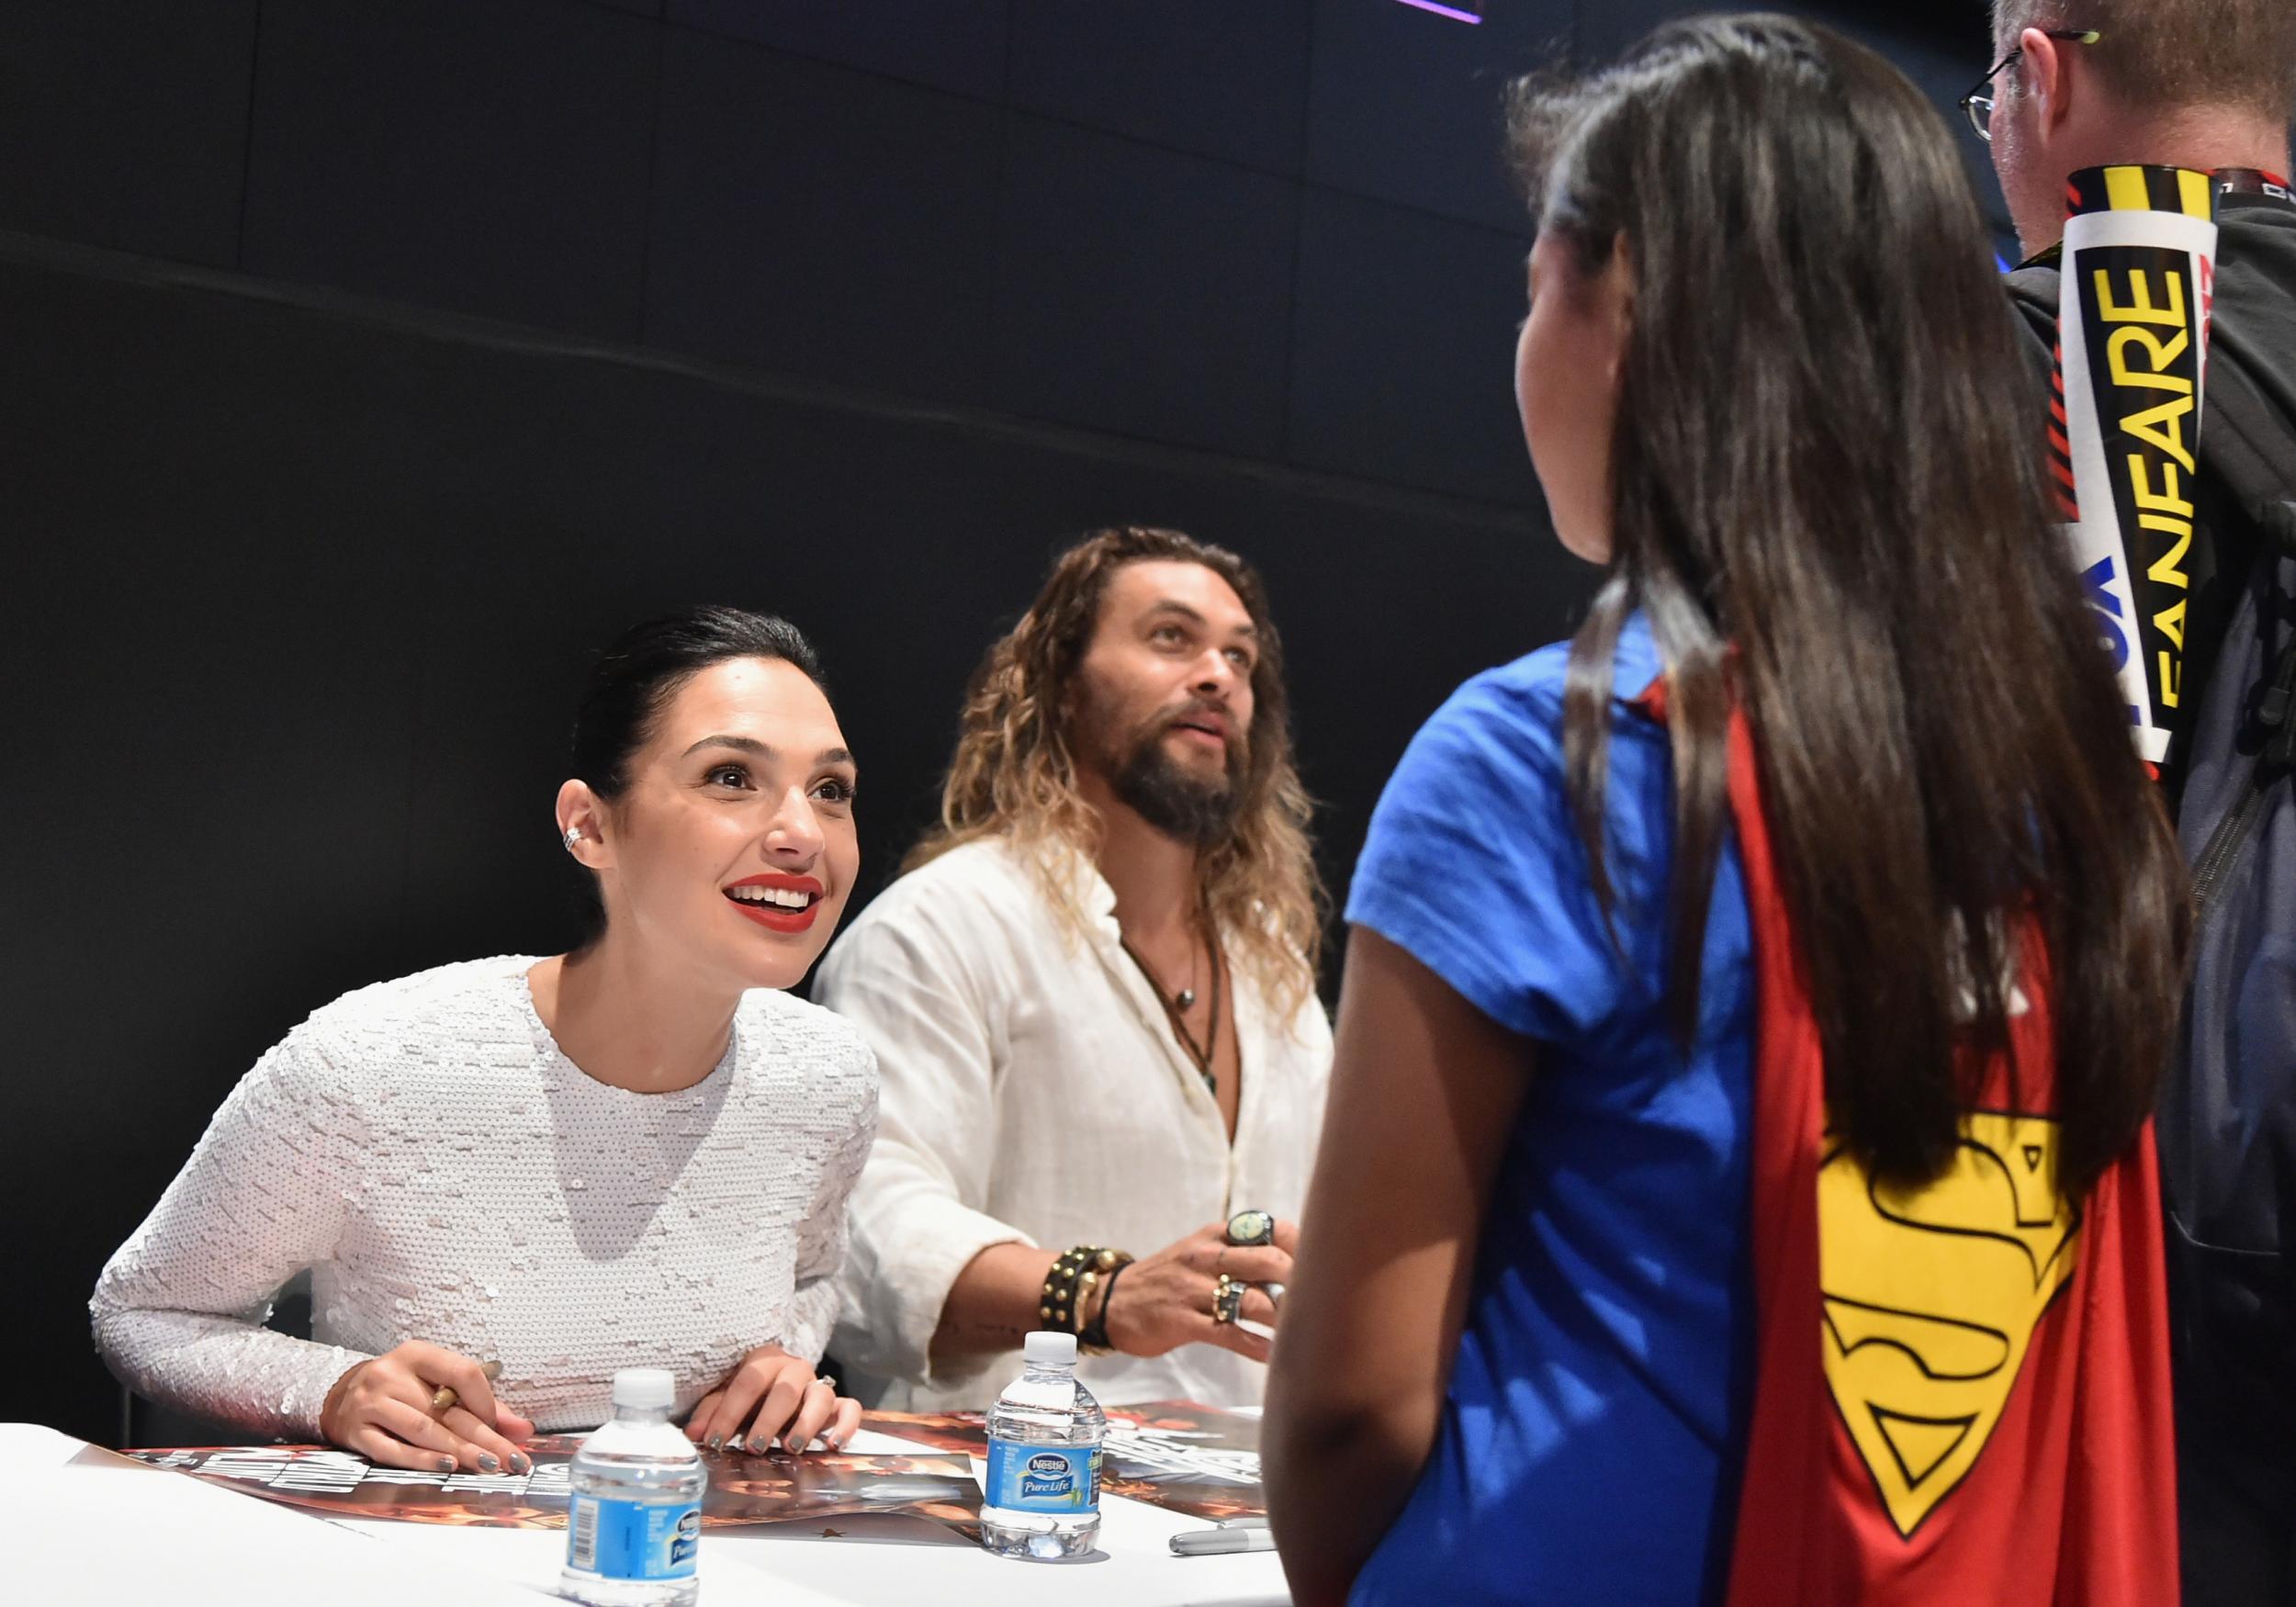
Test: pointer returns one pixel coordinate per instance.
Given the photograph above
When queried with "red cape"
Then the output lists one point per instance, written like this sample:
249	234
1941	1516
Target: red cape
1961	1395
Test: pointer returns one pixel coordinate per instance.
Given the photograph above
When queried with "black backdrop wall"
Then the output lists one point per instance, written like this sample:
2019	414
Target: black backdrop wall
366	365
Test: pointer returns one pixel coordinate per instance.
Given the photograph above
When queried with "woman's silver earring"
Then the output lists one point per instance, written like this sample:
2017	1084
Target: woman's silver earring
573	836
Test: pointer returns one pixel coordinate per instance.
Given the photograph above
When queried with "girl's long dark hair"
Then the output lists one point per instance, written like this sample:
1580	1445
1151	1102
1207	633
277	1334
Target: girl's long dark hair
1827	497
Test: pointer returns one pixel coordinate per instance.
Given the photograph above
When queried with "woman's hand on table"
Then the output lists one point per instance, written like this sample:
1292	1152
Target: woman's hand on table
770	1394
383	1409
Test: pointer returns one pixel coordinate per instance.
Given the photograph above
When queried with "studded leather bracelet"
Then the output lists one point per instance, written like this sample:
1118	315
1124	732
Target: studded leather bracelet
1067	1289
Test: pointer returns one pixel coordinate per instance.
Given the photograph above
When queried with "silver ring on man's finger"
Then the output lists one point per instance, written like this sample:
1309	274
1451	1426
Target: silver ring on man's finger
1250	1228
1275	1293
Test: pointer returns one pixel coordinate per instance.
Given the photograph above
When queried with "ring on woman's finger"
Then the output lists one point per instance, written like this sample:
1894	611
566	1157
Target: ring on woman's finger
824	1378
1227	1300
443	1399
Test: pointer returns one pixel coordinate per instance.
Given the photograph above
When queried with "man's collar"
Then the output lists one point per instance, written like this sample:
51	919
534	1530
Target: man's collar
1071	868
2252	181
2235	186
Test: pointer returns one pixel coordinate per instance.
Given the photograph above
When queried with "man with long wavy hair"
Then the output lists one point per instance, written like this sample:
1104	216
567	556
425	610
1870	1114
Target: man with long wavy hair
1092	996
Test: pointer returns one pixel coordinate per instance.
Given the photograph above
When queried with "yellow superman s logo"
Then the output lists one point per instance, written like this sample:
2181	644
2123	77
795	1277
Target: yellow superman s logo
1931	1301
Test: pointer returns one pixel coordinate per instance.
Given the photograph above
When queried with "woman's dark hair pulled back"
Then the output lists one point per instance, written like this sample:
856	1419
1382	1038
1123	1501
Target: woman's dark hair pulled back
1827	496
641	669
640	672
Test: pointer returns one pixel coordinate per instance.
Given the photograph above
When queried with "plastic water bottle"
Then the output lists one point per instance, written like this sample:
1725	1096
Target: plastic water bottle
1043	1500
635	1518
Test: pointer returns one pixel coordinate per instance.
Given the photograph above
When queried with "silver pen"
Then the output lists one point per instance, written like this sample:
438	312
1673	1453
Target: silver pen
1224	1541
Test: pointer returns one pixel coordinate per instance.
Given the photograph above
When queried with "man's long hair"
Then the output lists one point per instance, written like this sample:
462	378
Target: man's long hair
1014	775
1827	496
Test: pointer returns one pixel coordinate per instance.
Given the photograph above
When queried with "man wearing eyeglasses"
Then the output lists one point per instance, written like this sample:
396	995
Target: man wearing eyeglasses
2200	84
2207	84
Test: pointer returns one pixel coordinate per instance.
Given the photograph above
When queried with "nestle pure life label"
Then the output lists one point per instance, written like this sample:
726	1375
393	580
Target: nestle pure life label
633	1540
1043	1478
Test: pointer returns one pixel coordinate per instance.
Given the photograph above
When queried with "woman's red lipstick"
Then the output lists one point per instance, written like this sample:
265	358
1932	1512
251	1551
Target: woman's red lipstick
777	917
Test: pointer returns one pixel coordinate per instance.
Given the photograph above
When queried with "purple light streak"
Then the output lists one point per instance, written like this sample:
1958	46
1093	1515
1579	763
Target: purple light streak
1452	12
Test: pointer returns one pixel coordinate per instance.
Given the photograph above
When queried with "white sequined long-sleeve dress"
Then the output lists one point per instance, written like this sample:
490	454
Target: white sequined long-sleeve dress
448	1174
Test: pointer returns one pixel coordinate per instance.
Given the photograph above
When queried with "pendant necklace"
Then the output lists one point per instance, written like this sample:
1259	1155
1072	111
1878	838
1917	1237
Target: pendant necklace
1177	1005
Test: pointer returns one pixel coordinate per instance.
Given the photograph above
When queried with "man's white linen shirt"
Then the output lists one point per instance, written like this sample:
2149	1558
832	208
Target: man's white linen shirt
1033	1092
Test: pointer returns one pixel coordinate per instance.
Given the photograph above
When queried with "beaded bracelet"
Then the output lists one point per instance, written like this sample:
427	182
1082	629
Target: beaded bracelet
1094	1340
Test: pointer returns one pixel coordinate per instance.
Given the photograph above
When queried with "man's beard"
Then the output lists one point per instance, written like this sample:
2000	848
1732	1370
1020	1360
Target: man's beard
1185	808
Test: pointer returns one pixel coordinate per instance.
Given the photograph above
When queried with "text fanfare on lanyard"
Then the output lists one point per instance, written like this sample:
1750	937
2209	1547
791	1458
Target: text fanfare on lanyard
2137	278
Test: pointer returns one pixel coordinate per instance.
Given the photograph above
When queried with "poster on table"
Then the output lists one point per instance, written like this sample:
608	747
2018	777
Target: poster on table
812	1490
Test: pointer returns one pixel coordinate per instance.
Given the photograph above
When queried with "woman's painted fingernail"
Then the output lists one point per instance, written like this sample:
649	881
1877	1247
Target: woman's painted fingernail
445	1465
490	1463
521	1462
717	1441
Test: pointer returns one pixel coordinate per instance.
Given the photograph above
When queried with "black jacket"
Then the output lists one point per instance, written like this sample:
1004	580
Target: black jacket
2227	1115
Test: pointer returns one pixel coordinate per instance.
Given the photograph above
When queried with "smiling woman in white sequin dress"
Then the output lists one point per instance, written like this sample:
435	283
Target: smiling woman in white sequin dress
635	1153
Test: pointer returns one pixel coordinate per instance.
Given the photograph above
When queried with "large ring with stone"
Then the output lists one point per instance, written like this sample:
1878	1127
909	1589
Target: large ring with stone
826	1378
1251	1227
1227	1300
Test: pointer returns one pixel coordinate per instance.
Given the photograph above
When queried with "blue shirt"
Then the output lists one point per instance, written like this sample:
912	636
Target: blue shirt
1594	1427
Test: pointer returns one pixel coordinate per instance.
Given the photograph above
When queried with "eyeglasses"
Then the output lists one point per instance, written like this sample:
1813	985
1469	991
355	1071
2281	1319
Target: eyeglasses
1977	105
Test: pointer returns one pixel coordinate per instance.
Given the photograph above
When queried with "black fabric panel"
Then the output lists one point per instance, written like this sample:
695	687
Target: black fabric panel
124	122
490	159
1209	76
1406	104
955	45
818	220
1402	359
1141	290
